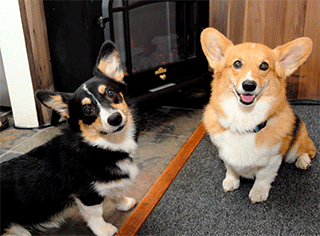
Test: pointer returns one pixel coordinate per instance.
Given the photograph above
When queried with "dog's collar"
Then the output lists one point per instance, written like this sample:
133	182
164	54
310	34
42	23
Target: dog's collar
259	127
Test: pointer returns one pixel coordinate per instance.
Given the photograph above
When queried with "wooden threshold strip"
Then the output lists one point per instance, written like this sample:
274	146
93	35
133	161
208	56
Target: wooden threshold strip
148	203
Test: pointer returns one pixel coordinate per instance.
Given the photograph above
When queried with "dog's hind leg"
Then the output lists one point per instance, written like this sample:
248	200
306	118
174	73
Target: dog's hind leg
308	151
303	150
93	216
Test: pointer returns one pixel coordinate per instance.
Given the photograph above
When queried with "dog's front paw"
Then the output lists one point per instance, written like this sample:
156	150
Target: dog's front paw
126	203
230	184
259	193
303	161
103	229
109	230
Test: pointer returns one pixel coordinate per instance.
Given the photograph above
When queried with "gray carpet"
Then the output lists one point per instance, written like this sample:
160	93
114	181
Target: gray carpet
195	203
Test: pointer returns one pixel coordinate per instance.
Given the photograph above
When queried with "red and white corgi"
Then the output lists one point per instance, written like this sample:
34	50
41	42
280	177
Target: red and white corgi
248	117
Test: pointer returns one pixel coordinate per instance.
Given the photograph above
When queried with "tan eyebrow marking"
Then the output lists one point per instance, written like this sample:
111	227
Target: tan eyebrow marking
102	89
86	101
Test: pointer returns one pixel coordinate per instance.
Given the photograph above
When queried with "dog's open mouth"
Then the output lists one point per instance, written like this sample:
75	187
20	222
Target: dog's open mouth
119	129
248	98
245	99
115	131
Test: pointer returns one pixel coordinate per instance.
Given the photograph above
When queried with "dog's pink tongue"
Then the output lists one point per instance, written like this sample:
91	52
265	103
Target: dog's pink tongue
247	98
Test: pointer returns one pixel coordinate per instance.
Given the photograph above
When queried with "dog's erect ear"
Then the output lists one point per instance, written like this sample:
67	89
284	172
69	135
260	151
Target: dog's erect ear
293	54
214	45
108	61
57	101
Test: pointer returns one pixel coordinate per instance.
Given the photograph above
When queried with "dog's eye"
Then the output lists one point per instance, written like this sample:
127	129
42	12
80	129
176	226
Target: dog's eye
87	111
264	66
237	64
111	94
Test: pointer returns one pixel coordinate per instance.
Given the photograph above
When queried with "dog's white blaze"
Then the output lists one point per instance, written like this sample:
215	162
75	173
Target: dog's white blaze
243	119
249	76
240	152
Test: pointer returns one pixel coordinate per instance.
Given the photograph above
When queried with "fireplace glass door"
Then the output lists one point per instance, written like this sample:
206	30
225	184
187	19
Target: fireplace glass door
158	40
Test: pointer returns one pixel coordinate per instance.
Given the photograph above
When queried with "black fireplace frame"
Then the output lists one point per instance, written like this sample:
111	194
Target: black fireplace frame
183	73
73	57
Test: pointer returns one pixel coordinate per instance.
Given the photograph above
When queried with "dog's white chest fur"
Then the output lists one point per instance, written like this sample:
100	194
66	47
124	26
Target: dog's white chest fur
127	144
237	146
240	152
243	119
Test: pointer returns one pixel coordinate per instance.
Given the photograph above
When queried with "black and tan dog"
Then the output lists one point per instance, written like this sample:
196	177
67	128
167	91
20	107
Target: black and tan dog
90	161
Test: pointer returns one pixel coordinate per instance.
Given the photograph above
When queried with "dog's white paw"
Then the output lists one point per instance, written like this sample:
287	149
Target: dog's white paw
109	230
101	228
105	229
259	193
230	184
303	161
126	203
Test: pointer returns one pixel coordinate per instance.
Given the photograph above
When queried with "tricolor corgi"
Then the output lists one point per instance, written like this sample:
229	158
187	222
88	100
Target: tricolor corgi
92	159
248	117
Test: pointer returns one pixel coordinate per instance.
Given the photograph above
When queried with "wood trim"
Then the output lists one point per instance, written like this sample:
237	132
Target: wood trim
274	23
309	84
148	203
37	44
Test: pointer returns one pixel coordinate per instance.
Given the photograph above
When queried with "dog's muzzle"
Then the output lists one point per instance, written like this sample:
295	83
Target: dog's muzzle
116	123
248	93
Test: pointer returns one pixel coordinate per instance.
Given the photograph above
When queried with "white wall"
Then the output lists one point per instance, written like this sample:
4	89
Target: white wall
4	94
16	65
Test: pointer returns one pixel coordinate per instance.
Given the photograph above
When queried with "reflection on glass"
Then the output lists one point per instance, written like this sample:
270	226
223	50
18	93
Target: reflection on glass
156	35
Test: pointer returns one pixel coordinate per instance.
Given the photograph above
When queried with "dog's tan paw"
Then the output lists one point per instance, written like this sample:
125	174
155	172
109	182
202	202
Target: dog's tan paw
126	204
303	161
230	184
259	194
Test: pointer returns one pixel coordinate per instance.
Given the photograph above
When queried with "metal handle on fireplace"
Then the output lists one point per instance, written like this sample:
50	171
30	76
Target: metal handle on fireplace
101	22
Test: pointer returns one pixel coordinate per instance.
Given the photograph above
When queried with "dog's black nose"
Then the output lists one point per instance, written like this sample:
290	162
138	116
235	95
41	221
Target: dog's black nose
115	119
249	85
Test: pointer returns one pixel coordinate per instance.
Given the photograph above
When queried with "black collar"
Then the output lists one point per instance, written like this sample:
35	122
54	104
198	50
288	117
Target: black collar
259	127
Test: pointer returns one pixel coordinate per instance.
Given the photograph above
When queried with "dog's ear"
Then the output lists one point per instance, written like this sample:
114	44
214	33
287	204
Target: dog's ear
293	54
57	101
214	45
108	61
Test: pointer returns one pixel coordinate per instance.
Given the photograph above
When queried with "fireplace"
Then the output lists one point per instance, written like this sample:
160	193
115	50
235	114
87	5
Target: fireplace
158	42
